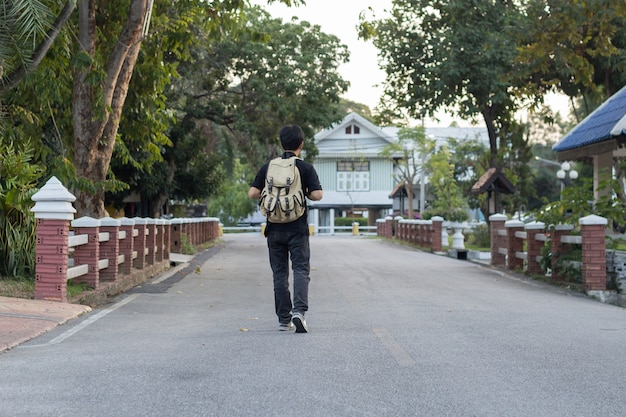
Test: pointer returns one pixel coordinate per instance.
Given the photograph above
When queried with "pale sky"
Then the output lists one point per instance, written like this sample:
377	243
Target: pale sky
340	18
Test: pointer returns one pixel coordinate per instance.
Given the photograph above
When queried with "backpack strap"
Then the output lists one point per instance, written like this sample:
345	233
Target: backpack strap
287	208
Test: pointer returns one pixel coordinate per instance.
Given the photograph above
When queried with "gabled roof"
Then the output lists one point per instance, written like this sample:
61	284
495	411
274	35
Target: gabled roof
353	118
493	180
606	123
398	191
354	136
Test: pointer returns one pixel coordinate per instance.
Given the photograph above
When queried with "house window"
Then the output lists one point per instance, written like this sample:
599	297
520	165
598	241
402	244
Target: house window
353	176
351	128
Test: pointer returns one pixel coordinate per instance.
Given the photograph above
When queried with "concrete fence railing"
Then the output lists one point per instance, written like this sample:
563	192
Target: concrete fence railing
518	246
95	251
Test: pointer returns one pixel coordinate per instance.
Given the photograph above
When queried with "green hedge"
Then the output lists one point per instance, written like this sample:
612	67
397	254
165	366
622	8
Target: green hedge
347	221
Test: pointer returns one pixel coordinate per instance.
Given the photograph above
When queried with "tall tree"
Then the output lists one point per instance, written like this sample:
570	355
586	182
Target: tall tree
275	73
579	48
100	91
101	87
457	55
233	96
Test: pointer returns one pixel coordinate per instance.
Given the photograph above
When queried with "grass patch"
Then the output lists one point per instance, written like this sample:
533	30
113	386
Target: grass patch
25	288
74	289
17	288
469	245
477	248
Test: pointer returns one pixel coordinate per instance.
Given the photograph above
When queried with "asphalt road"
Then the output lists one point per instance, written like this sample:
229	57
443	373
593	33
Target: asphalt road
393	332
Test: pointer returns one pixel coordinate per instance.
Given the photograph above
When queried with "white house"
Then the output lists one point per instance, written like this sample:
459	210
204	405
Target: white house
356	179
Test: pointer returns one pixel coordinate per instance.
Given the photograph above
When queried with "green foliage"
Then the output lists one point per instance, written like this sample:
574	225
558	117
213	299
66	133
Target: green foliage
448	201
545	183
577	202
75	288
23	25
17	224
185	245
514	159
231	203
257	80
410	154
347	221
578	47
455	55
615	243
468	157
230	95
479	236
562	264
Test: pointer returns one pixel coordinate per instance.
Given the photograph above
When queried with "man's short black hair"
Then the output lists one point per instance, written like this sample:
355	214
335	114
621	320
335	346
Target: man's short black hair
291	137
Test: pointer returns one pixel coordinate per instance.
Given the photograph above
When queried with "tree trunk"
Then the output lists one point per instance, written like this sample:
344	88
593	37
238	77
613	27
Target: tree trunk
156	203
409	193
96	115
489	117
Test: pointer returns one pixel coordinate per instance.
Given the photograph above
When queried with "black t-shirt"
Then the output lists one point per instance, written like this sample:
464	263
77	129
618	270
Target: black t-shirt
310	182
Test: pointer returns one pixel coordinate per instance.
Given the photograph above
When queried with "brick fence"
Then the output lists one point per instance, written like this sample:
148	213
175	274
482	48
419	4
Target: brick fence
103	251
425	233
518	246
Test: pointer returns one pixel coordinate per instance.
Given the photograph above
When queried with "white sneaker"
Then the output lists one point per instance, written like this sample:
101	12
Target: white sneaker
299	322
285	327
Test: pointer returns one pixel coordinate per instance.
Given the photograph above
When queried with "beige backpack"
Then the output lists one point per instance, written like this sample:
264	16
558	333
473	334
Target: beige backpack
282	198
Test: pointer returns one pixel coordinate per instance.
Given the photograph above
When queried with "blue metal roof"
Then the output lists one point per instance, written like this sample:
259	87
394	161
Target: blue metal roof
604	123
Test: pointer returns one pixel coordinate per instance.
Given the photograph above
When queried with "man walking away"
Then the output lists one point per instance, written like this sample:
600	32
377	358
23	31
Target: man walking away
288	235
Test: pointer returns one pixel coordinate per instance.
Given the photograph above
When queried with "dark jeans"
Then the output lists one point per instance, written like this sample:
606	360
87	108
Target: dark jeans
281	246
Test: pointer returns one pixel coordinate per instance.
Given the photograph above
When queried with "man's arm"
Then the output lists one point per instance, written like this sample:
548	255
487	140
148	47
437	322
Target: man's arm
254	193
257	185
316	195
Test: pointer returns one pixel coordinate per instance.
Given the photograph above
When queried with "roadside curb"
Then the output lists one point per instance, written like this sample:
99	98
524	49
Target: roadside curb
22	320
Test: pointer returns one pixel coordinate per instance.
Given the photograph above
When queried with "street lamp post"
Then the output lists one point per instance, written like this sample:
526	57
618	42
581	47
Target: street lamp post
564	171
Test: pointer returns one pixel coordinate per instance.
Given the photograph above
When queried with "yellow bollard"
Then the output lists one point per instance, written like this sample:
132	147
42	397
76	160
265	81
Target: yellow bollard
221	229
311	229
355	229
263	225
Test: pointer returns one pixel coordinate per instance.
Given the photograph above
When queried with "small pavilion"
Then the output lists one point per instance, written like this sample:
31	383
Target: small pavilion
493	182
599	138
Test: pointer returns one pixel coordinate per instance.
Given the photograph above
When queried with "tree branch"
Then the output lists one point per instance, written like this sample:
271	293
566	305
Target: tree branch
38	55
131	34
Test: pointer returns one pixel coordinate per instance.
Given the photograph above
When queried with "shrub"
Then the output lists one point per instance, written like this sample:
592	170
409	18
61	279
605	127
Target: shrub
347	221
17	223
480	236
